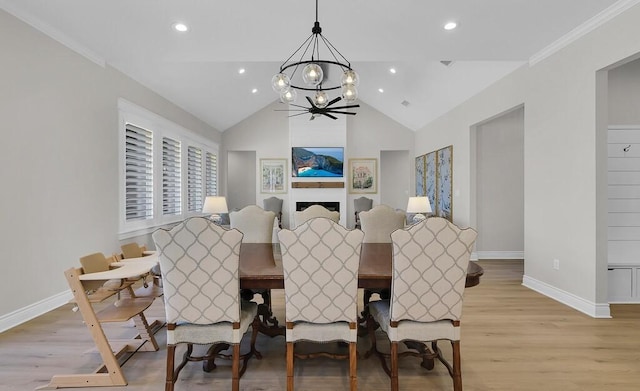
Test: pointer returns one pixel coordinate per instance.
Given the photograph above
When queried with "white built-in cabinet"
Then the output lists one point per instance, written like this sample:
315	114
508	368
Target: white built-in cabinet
624	214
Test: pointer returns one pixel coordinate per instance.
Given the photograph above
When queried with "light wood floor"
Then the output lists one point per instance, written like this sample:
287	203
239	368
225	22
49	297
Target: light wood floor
512	339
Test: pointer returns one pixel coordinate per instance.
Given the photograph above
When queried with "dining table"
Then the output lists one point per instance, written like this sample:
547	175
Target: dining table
261	268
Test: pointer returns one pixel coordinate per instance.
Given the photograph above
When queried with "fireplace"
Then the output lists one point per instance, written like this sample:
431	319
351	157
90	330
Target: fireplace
332	206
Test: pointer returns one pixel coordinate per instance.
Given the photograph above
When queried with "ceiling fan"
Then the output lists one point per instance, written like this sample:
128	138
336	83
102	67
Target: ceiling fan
324	110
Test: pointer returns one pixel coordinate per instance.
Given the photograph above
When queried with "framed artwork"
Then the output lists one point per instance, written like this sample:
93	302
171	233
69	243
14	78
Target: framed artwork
431	179
434	179
444	184
272	174
420	175
363	175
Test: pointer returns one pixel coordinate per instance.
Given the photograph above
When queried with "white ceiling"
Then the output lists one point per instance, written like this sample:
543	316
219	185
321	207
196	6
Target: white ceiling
197	70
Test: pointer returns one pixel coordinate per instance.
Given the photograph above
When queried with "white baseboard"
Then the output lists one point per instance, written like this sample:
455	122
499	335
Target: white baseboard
29	312
500	254
592	309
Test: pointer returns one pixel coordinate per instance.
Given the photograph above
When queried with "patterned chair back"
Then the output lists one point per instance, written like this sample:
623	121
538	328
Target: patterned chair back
254	222
378	223
314	211
320	259
430	261
199	261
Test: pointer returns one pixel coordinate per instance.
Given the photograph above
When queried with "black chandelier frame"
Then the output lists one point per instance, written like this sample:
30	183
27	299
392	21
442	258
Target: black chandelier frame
313	42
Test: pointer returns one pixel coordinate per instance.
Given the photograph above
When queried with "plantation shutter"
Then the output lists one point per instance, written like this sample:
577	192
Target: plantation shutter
138	173
194	179
212	174
171	177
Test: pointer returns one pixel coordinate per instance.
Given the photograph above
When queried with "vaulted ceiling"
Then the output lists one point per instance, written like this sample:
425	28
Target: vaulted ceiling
198	69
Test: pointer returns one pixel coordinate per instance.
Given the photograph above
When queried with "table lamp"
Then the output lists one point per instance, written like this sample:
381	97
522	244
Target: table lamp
419	206
215	205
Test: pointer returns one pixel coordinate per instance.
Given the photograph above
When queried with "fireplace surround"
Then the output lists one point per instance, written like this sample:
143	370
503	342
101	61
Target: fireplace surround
330	205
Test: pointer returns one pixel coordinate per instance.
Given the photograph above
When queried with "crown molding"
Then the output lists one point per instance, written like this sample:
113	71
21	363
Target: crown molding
52	32
596	21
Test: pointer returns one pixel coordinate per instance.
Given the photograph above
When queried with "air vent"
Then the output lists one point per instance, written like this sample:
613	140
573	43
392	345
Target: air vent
405	103
446	63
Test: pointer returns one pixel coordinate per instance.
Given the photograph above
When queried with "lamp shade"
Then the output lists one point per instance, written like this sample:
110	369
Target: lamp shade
214	205
418	205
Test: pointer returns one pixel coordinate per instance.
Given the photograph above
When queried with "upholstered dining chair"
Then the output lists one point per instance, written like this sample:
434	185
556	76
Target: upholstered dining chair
377	225
299	217
200	268
320	260
274	204
430	261
361	204
257	226
255	223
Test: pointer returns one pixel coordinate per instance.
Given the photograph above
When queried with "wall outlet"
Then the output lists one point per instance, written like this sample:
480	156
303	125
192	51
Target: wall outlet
556	264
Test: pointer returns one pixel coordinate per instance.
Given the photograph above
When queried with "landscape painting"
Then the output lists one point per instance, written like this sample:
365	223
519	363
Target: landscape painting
316	162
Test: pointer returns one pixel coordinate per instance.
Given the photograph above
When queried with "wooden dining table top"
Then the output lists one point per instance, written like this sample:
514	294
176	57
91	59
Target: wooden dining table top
261	267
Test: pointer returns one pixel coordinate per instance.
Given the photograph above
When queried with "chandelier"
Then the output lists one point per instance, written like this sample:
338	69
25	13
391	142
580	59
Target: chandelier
313	78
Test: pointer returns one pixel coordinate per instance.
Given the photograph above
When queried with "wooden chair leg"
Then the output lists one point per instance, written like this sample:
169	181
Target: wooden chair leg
394	366
171	352
352	366
289	366
457	372
235	368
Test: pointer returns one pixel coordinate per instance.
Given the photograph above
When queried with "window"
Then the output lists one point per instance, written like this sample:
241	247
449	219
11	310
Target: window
171	177
194	179
165	171
212	174
138	174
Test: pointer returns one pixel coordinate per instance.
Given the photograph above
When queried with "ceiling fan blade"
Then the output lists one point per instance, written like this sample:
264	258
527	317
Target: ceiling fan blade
329	115
302	107
339	112
344	107
292	110
295	115
310	101
334	100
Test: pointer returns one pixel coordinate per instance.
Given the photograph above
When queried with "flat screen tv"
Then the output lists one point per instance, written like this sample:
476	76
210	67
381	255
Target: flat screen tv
317	162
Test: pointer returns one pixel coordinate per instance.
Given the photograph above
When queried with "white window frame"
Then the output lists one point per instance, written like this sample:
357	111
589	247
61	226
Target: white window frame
129	113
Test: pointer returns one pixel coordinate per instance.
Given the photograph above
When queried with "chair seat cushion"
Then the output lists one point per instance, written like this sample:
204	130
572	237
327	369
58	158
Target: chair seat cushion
325	332
412	330
214	333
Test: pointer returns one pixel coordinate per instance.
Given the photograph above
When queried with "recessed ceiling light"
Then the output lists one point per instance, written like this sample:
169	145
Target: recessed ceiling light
241	71
181	27
254	91
450	25
392	70
380	90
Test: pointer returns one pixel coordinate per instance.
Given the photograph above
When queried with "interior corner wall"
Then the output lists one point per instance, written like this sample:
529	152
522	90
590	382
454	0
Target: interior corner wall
59	164
500	166
561	198
624	94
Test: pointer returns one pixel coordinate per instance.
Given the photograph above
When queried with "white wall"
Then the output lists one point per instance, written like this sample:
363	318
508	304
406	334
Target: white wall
395	179
59	164
624	94
500	186
241	184
563	148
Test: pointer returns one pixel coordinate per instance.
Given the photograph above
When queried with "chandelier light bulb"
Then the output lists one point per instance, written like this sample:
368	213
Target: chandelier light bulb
288	95
312	75
321	99
350	77
349	93
280	82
